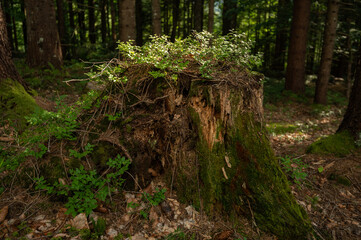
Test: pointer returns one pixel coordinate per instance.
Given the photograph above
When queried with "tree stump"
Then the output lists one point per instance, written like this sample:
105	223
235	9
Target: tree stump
207	137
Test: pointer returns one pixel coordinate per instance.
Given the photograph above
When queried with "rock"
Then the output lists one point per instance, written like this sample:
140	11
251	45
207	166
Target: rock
39	218
112	233
61	235
80	222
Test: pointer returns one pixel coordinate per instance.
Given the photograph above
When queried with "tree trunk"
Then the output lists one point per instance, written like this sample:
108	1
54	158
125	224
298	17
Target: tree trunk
103	16
127	20
156	18
198	15
229	16
7	10
327	52
281	35
81	19
352	120
114	18
43	39
208	138
139	22
61	24
211	16
175	19
91	16
295	73
15	100
13	23
24	25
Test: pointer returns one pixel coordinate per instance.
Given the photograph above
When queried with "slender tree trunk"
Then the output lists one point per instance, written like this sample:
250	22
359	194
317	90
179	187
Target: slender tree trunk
295	74
211	16
281	36
198	15
349	64
156	18
61	23
327	52
43	38
175	19
7	67
139	22
166	17
24	25
8	24
91	16
13	24
352	119
127	25
103	19
229	16
114	18
81	19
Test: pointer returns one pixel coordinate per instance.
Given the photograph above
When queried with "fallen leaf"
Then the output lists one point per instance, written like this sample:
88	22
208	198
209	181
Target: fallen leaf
3	213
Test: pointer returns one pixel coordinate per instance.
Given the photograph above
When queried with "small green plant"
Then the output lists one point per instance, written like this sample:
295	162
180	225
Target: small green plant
358	141
87	150
294	167
114	117
87	187
156	198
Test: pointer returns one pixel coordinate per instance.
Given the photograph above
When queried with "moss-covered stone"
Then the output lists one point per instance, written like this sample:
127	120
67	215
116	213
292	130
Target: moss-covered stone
339	144
16	103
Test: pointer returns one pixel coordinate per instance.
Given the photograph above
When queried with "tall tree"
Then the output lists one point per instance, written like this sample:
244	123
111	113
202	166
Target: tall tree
198	15
352	119
8	23
156	18
175	19
210	16
281	35
103	20
229	16
61	22
43	39
295	73
113	20
81	19
139	22
127	26
91	16
327	51
7	67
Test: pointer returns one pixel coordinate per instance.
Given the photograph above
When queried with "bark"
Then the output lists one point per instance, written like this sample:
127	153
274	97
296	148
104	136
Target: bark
13	23
8	23
175	19
295	73
327	52
91	16
352	119
210	16
43	38
103	19
198	15
127	20
114	18
156	18
61	24
81	20
165	17
139	22
281	36
7	67
24	25
229	16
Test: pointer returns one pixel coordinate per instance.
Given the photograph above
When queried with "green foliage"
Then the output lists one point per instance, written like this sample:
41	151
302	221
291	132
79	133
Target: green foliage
156	198
179	234
86	187
87	149
294	167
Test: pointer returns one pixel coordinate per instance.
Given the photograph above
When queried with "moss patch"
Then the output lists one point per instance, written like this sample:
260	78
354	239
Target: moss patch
281	128
16	103
339	144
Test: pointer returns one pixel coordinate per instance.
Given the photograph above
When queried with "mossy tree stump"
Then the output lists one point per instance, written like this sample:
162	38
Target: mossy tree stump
207	137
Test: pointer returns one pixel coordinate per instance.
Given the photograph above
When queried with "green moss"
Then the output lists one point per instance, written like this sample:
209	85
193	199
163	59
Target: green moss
16	103
254	177
281	128
339	144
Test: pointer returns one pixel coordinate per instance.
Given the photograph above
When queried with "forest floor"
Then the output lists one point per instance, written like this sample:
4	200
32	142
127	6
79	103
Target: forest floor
328	187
